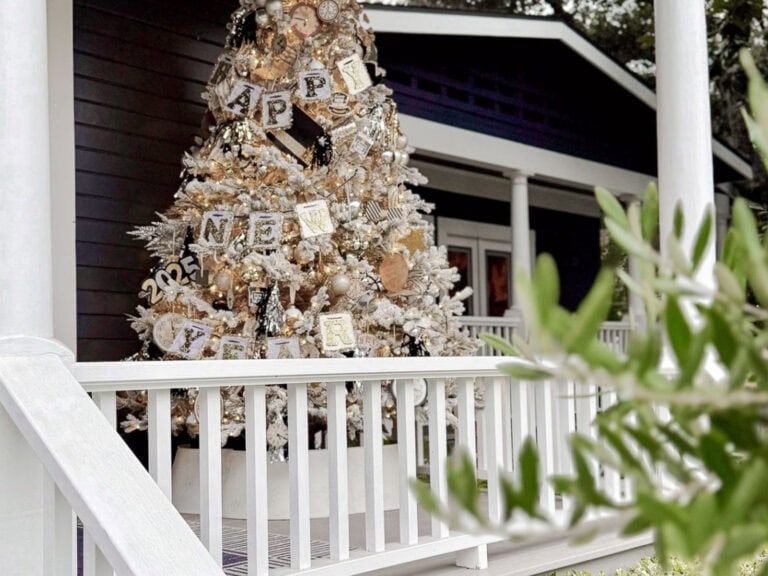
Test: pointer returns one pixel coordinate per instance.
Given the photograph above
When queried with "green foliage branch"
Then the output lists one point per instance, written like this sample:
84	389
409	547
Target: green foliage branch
689	431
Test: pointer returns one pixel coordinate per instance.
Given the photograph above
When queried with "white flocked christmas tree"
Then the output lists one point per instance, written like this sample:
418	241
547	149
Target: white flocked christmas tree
294	234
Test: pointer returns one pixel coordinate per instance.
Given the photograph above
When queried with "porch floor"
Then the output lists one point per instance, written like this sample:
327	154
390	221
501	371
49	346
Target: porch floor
505	559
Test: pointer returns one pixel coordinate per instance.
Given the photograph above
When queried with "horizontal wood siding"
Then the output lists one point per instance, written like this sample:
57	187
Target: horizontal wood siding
140	67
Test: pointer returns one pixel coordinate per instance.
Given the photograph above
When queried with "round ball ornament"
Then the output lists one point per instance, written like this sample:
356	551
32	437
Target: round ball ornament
166	329
388	156
340	284
293	315
275	8
419	391
393	272
328	11
223	280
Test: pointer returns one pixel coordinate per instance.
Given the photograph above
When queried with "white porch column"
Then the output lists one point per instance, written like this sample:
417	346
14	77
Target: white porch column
683	118
521	229
26	293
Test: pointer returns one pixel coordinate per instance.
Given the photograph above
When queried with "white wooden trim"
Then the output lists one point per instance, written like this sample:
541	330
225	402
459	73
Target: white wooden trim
61	103
256	480
579	201
545	441
374	461
438	450
148	537
406	441
298	463
159	438
60	532
458	144
494	456
115	376
410	21
94	561
338	470
209	404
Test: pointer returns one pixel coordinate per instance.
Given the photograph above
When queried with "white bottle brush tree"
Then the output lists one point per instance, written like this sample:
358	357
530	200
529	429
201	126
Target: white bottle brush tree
294	233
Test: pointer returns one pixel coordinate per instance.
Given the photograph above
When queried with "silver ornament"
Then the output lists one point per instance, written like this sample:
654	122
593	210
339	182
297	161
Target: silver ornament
402	141
340	284
404	158
354	208
275	9
388	156
262	18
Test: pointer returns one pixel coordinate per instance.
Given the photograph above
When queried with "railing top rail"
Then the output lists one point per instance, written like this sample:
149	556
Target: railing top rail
114	376
490	321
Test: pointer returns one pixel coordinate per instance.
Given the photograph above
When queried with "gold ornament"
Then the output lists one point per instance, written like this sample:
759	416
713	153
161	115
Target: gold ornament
414	241
393	272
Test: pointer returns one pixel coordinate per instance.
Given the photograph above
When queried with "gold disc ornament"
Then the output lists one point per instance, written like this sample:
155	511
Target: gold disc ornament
415	241
166	329
393	272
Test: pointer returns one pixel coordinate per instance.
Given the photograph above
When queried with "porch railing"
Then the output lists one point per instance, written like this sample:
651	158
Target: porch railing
615	334
507	421
130	527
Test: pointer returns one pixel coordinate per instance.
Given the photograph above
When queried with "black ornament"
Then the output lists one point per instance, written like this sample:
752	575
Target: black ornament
220	304
322	152
415	346
374	72
243	29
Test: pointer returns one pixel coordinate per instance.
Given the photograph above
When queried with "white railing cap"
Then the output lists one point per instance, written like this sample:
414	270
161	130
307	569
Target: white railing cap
113	376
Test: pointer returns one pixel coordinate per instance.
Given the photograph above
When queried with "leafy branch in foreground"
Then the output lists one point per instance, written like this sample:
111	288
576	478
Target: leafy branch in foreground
689	430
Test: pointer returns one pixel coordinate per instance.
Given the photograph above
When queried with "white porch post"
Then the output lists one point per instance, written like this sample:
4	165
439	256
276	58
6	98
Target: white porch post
683	118
521	229
26	293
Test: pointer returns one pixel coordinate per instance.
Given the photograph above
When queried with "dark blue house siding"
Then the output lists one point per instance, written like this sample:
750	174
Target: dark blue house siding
573	240
536	92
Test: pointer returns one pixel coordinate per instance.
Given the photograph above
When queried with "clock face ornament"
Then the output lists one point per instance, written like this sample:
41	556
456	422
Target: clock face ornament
304	20
328	11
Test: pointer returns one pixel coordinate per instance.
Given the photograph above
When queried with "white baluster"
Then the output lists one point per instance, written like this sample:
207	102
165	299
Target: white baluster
420	457
612	476
480	430
473	558
438	450
209	404
494	449
337	470
298	462
94	561
586	412
406	446
159	415
545	438
520	415
506	414
256	480
374	464
60	532
565	407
